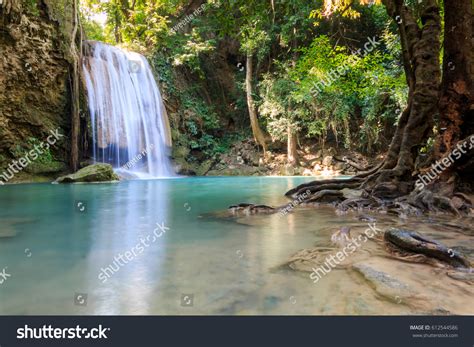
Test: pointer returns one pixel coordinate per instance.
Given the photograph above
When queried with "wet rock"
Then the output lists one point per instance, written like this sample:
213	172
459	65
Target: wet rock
417	243
359	306
467	276
93	173
439	311
341	237
327	161
384	284
247	209
367	218
352	193
7	231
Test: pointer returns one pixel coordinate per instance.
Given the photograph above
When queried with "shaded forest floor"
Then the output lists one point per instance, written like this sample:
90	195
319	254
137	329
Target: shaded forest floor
246	159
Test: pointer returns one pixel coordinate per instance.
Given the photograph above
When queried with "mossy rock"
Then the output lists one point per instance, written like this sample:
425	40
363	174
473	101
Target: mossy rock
91	173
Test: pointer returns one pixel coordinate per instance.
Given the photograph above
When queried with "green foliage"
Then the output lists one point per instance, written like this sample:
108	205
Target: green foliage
94	31
190	51
20	151
32	7
365	92
296	47
278	104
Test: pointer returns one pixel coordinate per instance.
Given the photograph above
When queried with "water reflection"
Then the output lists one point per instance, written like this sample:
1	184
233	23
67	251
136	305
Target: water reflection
130	246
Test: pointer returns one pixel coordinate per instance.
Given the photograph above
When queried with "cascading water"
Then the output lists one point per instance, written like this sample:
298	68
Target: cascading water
130	125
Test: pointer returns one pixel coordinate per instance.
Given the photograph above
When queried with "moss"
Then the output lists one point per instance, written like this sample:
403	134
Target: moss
48	168
32	7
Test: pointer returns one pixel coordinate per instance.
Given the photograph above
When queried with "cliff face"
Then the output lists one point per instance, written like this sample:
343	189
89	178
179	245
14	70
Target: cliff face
34	79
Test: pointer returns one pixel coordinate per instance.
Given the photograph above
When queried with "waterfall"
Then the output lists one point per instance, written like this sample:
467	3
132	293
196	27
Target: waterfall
130	127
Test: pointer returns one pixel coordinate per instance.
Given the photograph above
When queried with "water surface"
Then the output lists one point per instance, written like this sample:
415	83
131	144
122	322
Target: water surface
57	238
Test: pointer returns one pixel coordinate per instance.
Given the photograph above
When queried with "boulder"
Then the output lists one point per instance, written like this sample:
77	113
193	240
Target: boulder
327	161
92	173
385	284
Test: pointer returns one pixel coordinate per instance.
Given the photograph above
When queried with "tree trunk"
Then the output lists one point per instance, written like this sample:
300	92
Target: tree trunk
292	145
420	48
75	90
456	100
256	130
450	102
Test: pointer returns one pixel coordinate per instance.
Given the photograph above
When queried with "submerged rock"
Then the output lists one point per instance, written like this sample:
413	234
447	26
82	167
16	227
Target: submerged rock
462	276
417	243
92	173
251	209
384	284
341	237
7	231
8	226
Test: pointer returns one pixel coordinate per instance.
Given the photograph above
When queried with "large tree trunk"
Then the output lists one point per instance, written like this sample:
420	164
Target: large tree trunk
420	48
391	184
75	89
457	97
256	130
420	40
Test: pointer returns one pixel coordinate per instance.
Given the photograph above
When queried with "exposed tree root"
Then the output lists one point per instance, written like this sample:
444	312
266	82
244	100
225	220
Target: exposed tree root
352	163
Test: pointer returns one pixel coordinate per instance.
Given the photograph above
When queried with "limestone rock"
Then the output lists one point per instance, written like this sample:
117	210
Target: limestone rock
384	284
92	173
